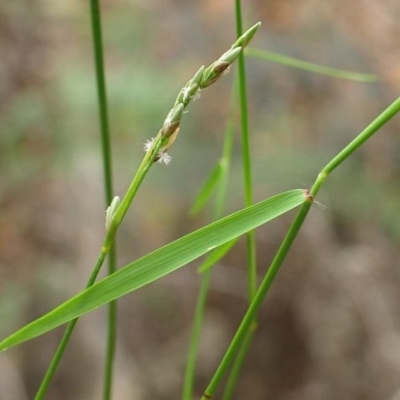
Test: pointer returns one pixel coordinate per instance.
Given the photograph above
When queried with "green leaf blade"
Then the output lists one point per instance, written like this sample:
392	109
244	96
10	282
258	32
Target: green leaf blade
159	263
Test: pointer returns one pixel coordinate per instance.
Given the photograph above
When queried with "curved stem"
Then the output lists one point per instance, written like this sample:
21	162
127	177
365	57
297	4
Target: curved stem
280	256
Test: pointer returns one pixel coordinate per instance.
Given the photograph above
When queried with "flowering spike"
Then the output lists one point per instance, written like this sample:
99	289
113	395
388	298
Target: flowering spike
202	78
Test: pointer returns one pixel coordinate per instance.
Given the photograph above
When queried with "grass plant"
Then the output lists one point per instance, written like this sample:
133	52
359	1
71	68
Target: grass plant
214	240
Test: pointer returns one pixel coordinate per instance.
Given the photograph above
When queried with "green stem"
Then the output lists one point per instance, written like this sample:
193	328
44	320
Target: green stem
142	171
250	237
392	110
111	334
280	256
65	339
102	98
238	363
106	154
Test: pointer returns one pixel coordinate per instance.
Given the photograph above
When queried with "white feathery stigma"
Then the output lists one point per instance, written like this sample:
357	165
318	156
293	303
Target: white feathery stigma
164	158
147	144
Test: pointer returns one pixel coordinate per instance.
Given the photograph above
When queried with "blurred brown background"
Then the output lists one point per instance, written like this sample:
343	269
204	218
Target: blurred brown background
330	328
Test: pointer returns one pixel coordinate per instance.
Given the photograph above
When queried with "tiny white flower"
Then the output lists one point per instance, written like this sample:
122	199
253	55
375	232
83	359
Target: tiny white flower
164	158
147	144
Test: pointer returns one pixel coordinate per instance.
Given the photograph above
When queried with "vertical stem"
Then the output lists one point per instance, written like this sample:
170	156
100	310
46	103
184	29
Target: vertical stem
248	196
111	335
106	154
250	237
102	98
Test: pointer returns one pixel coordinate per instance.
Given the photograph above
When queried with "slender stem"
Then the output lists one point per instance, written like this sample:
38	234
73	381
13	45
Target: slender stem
246	156
238	363
111	335
392	110
65	339
141	173
102	97
280	256
106	154
250	237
